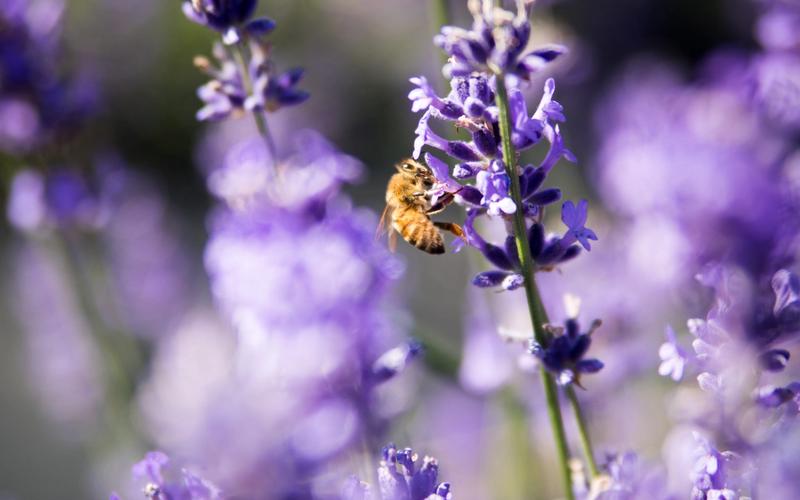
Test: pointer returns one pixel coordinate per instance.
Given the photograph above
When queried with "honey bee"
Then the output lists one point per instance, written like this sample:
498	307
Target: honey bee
409	207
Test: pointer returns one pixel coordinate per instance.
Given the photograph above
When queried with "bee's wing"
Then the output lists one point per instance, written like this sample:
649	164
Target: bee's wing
385	225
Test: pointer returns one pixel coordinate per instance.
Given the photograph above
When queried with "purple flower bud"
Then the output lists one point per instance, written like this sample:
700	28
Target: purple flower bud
774	360
489	279
570	253
545	197
473	107
589	366
512	282
786	286
394	361
531	180
220	15
485	142
260	27
497	256
536	239
772	397
471	195
461	151
551	253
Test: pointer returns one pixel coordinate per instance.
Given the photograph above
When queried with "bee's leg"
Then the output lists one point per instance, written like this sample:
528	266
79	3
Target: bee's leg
441	204
413	197
450	226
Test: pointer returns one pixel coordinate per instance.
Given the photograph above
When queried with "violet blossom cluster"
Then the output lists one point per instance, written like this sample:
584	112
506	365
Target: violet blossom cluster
296	272
38	104
497	44
725	130
402	475
153	476
83	291
565	354
738	352
238	86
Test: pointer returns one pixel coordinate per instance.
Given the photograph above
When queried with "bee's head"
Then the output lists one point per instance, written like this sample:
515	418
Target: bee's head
413	168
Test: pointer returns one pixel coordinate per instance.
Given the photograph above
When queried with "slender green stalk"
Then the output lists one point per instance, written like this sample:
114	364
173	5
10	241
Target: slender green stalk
259	116
583	430
531	292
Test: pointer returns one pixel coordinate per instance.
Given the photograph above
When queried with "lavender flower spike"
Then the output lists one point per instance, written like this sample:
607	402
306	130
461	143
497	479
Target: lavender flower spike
495	43
150	472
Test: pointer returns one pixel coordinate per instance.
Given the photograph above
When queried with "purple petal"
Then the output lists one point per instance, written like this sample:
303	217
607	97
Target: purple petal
260	26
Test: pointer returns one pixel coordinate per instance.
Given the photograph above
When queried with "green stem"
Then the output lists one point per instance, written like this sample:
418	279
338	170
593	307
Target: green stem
583	430
261	121
531	292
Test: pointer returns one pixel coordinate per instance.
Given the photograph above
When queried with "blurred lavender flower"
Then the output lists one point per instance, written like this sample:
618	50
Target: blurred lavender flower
776	71
150	472
37	102
734	350
717	475
148	265
59	199
295	270
627	477
683	135
313	339
401	476
63	361
770	396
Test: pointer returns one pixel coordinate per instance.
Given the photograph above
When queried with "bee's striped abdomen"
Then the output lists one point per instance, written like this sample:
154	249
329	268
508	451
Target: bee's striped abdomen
418	230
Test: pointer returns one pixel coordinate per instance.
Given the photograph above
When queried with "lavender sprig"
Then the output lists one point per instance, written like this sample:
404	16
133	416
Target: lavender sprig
488	65
244	80
402	475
